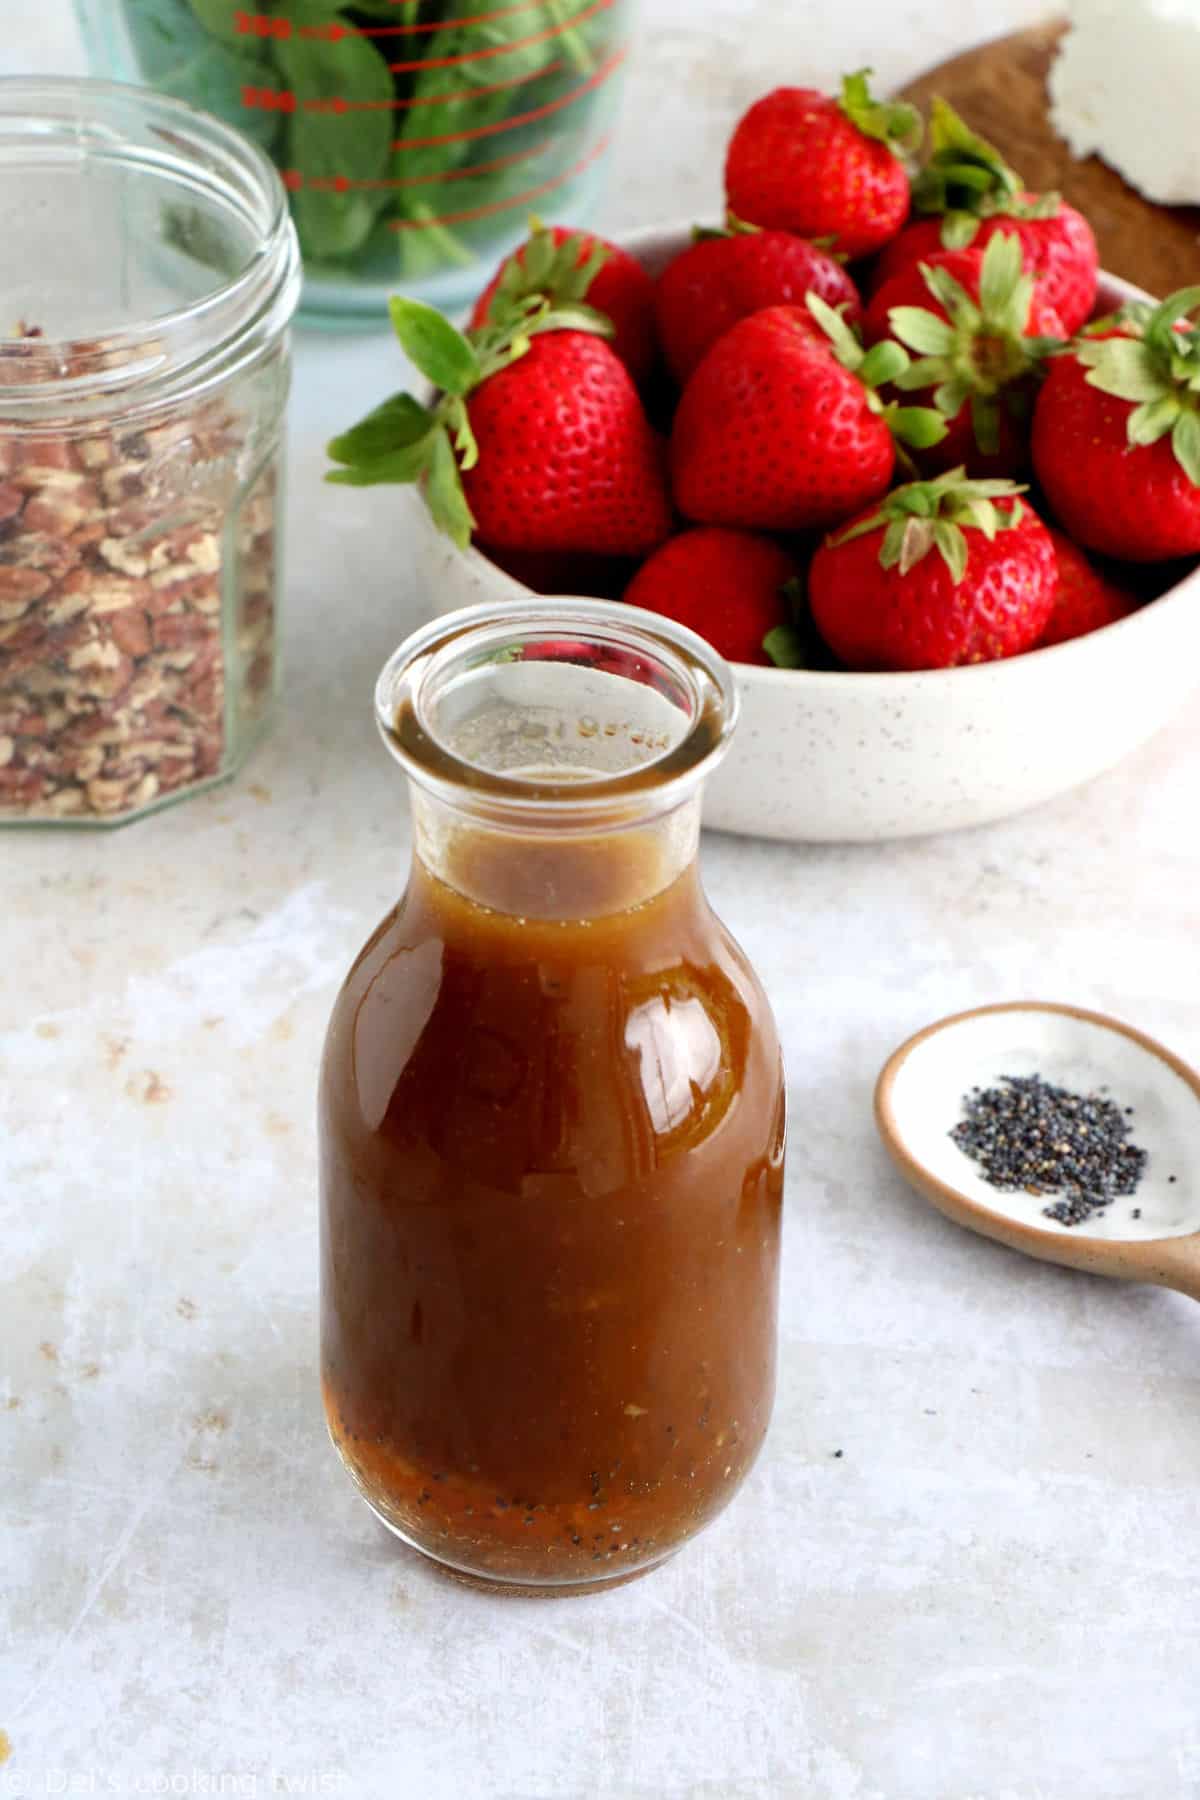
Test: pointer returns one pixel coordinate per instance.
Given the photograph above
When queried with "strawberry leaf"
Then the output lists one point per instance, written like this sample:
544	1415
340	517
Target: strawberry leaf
964	174
916	540
733	227
882	363
1124	367
926	515
1152	421
572	317
985	423
444	492
951	396
894	123
1133	315
919	426
959	230
1158	373
397	421
953	296
843	342
1185	441
892	547
408	463
982	515
458	423
1160	327
977	349
925	372
1000	278
921	330
951	546
535	262
785	647
544	270
434	346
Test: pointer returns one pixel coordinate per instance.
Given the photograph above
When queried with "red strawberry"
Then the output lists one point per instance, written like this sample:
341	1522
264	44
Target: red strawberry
942	573
1085	600
802	161
777	432
538	441
973	194
983	333
565	266
1116	437
724	277
567	458
727	585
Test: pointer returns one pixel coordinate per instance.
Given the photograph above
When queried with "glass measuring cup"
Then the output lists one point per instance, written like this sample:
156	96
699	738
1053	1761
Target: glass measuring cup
413	136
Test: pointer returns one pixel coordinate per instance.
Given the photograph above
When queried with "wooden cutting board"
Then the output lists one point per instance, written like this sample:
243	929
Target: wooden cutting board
1000	89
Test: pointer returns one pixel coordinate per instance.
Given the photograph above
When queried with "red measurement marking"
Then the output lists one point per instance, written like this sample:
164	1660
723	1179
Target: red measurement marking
339	105
332	32
262	25
476	56
340	184
515	119
269	99
483	212
484	168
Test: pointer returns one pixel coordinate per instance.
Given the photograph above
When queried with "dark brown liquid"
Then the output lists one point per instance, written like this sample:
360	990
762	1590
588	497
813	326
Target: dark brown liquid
552	1163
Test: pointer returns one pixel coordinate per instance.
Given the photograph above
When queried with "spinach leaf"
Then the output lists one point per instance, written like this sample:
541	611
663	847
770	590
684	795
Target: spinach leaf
447	101
220	18
215	80
324	145
179	57
396	12
166	34
475	112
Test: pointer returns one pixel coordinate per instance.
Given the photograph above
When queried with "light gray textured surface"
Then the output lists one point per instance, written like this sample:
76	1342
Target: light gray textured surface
990	1594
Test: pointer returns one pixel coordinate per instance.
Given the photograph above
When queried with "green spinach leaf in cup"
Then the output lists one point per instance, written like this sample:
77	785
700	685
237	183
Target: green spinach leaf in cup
176	54
220	18
327	146
455	109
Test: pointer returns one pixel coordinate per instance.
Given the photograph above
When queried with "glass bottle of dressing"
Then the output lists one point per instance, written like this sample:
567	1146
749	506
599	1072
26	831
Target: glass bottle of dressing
552	1116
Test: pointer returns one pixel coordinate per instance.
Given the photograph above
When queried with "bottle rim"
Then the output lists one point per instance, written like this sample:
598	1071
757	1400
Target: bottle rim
136	366
626	644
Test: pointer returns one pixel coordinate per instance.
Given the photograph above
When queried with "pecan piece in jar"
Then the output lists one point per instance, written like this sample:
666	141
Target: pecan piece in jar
119	594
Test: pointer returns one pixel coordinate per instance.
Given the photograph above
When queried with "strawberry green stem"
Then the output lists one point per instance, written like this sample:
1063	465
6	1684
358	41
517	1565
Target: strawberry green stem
934	515
1159	373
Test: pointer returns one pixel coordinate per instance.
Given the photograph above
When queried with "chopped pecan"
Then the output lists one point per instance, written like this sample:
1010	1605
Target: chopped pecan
34	550
59	513
65	802
112	586
21	788
130	631
126	558
19	588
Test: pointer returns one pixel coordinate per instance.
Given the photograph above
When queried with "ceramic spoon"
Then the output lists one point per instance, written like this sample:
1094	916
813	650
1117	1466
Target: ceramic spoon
1152	1235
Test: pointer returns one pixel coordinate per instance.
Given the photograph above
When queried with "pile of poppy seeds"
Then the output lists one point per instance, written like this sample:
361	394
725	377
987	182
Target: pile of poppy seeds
1029	1136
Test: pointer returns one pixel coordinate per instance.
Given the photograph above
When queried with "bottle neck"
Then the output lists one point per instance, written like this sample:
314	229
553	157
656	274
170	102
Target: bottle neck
561	870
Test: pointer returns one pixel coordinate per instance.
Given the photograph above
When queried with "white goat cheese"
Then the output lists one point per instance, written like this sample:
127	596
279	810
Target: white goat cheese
1126	86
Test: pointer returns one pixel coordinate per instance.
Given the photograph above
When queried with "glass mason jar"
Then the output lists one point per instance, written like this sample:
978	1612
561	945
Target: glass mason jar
552	1115
152	271
413	136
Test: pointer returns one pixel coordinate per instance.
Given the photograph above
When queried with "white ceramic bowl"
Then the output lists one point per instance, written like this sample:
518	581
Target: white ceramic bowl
823	757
